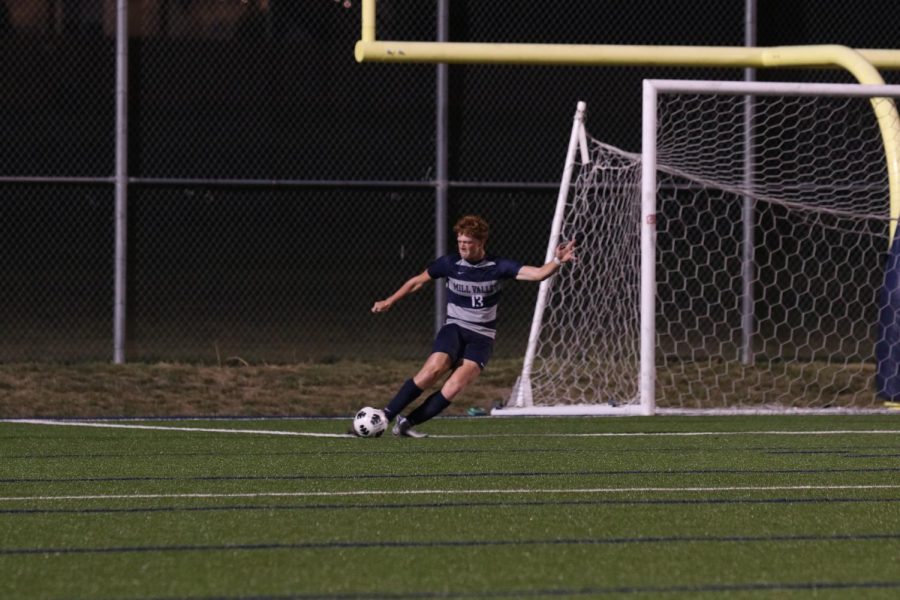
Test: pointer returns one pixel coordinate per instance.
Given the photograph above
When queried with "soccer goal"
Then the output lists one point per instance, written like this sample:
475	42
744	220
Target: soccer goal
754	272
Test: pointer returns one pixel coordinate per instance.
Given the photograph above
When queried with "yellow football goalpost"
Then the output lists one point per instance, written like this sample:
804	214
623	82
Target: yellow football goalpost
862	64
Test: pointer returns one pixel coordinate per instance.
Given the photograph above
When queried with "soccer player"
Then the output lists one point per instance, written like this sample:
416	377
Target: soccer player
465	342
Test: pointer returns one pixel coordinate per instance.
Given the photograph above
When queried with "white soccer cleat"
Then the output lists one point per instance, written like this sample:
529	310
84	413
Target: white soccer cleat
403	428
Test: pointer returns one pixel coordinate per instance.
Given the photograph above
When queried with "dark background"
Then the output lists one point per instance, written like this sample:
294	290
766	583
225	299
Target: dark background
279	187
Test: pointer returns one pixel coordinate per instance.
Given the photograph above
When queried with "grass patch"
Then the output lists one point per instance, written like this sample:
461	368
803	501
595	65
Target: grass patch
730	515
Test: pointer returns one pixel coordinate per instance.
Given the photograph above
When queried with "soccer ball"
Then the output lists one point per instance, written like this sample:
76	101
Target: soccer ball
369	422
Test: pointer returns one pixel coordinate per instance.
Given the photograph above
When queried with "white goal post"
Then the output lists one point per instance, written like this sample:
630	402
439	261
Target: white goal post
742	262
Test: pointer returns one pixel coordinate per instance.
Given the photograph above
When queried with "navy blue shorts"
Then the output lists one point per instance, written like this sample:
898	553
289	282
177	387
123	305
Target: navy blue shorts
460	343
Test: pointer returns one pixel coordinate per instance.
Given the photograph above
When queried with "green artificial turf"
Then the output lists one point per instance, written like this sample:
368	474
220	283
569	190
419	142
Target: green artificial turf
485	508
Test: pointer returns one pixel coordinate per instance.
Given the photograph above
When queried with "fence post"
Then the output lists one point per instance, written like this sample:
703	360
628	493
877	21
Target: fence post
441	158
121	179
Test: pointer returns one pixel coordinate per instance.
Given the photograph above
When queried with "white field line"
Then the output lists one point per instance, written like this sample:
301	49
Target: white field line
681	433
344	435
165	428
520	491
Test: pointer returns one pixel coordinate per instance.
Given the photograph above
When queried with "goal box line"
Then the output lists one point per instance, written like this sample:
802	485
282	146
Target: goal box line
570	410
605	410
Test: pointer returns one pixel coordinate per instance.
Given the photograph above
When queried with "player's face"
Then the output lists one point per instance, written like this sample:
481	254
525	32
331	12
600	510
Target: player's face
470	249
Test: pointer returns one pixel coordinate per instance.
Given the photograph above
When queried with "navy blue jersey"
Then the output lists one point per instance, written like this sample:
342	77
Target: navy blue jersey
473	290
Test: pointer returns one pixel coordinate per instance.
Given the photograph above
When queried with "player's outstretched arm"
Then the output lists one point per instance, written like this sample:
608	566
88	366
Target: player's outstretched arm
564	253
413	284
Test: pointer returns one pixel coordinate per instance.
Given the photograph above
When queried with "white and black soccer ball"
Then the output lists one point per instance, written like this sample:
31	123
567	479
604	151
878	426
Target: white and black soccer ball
369	422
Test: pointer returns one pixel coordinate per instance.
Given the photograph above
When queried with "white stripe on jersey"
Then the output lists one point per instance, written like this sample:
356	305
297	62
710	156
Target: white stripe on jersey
485	331
472	315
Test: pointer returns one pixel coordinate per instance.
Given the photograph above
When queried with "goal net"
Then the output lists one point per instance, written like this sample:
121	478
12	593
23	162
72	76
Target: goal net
763	268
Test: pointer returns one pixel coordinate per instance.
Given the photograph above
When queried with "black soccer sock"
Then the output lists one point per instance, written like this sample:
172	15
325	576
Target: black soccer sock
408	392
429	409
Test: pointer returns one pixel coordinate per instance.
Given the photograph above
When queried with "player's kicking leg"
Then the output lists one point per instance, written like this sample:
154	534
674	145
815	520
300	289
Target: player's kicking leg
461	378
434	368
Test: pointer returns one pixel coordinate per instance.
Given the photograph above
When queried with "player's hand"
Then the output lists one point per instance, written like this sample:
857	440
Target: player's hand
381	306
566	252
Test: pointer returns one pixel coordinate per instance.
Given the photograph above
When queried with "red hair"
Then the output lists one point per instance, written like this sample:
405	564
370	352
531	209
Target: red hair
472	226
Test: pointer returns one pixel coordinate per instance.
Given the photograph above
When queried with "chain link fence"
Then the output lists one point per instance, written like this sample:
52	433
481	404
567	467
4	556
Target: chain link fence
277	187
